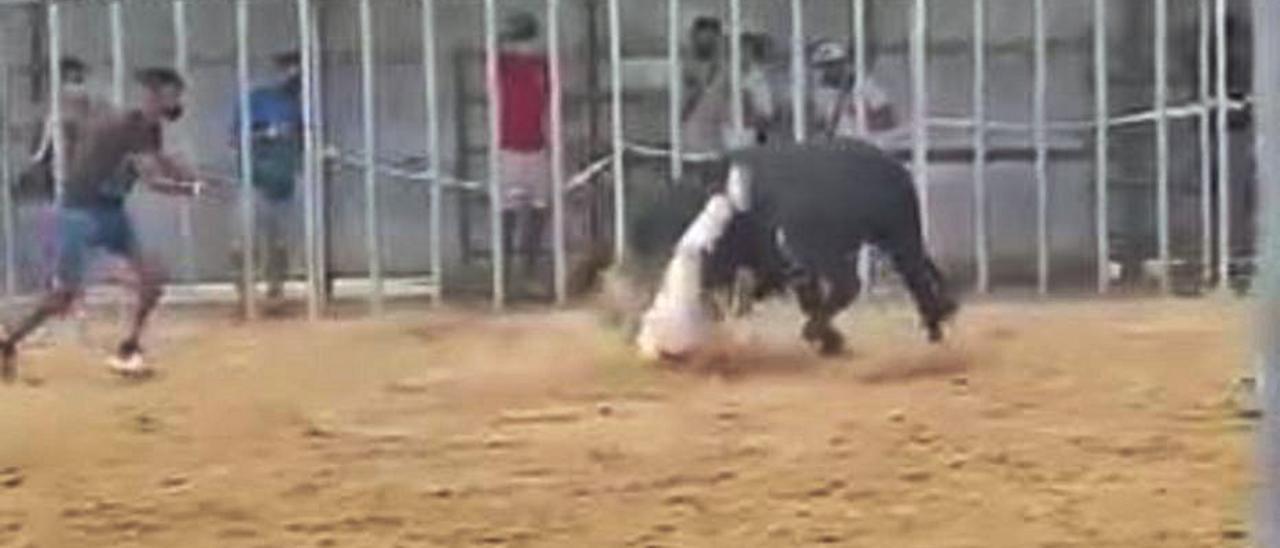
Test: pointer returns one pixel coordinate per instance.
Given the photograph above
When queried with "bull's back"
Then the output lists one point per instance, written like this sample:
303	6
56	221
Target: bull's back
842	189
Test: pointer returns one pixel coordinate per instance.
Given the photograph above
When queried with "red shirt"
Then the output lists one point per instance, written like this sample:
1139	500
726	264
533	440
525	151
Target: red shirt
523	85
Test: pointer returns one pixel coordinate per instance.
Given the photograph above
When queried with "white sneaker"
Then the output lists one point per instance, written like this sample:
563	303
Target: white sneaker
132	366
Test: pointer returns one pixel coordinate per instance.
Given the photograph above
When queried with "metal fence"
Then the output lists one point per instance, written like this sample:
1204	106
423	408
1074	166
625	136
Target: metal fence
1268	82
606	167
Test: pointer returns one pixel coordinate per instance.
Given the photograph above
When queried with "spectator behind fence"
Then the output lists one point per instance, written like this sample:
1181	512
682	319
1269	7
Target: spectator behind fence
837	93
759	103
525	165
276	127
706	114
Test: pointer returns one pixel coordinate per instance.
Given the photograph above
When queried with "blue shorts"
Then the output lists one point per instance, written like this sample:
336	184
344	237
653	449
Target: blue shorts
83	230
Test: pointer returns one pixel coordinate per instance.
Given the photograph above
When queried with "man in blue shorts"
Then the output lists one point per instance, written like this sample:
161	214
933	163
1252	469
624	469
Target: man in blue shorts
114	150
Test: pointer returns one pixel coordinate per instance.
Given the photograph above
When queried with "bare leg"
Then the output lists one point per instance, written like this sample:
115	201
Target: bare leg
149	286
274	246
510	227
534	229
927	288
55	303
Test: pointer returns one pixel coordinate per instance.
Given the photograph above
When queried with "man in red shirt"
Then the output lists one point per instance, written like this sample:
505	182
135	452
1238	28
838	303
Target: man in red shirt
525	165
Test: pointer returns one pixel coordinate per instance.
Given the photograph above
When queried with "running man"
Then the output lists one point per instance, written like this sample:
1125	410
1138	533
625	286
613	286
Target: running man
115	150
35	192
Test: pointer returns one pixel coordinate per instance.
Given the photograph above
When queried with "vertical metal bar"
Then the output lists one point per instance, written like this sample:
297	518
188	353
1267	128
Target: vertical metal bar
429	71
982	250
55	98
675	81
247	221
495	144
372	211
1101	137
860	62
6	179
182	62
181	38
619	145
308	159
1224	158
559	255
1206	142
799	87
1162	140
316	122
866	266
118	62
1267	90
1038	123
920	107
118	67
737	116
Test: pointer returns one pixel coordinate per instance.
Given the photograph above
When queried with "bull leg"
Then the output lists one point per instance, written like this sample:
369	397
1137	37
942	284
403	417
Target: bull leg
821	299
743	293
927	287
947	303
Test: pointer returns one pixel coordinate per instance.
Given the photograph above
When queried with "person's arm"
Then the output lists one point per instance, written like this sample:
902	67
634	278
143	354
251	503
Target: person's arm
820	119
758	98
694	90
880	113
233	135
44	147
882	119
168	175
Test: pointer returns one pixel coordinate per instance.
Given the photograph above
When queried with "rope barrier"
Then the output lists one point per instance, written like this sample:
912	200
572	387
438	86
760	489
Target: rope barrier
584	177
1190	110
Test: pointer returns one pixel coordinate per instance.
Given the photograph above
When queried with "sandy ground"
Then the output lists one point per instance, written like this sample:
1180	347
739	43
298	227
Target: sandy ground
1039	425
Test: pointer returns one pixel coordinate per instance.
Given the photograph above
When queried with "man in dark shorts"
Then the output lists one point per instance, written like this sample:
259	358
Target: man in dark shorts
115	149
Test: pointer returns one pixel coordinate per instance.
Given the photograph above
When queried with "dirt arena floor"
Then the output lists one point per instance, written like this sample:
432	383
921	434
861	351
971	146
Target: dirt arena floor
1079	424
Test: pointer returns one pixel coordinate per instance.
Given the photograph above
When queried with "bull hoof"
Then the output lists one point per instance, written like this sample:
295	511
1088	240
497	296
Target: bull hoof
8	362
935	334
945	313
948	311
831	344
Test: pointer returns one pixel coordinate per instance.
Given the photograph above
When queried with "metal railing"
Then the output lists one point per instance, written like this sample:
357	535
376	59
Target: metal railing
1211	107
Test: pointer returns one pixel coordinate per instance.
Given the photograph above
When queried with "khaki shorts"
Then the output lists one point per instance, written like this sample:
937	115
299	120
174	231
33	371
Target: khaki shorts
526	179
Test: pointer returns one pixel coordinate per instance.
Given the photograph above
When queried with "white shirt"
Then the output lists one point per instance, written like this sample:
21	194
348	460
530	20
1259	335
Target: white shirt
844	117
709	126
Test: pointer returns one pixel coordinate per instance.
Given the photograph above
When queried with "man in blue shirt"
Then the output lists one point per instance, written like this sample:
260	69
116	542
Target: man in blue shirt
276	127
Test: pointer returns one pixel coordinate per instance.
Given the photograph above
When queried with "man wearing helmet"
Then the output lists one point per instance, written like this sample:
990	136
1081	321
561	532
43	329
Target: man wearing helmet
837	93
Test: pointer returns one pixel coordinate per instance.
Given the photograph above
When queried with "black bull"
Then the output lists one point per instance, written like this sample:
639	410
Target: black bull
810	209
